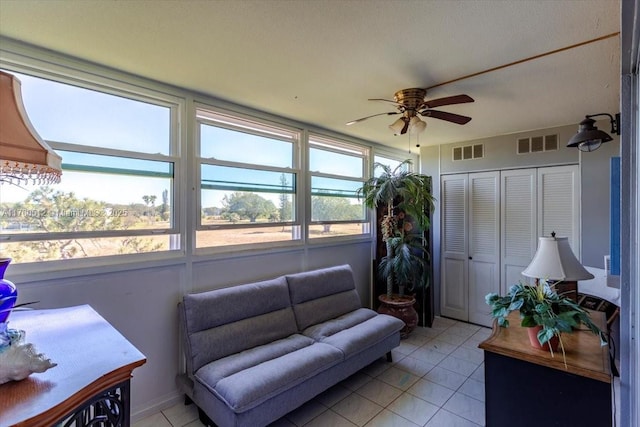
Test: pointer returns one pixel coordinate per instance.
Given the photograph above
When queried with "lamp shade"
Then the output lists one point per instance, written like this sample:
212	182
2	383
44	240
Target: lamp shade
400	126
24	155
416	125
554	260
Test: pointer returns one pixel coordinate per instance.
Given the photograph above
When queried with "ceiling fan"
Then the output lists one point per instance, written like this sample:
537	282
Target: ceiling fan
411	104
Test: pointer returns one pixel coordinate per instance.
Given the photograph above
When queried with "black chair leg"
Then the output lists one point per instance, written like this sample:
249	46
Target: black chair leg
204	419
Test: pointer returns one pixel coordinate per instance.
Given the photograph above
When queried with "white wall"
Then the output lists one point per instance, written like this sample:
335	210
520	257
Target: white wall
596	186
500	152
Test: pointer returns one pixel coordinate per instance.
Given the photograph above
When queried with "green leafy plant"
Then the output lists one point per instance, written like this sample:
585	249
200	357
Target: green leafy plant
539	304
407	198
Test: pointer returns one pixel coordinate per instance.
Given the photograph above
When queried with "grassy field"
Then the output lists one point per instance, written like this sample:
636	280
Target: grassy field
104	246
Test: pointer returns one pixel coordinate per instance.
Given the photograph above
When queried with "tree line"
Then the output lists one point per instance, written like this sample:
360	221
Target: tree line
47	211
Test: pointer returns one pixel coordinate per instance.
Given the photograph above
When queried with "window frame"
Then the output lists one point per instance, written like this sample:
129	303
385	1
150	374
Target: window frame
183	153
105	85
250	125
338	146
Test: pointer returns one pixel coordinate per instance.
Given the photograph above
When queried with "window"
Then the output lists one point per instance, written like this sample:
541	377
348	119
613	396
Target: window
387	161
337	170
117	190
248	179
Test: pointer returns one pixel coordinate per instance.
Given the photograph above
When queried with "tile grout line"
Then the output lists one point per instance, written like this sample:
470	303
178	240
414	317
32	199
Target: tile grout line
467	377
457	390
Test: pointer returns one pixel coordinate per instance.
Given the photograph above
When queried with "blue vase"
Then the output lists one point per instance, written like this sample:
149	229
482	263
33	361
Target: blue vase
8	292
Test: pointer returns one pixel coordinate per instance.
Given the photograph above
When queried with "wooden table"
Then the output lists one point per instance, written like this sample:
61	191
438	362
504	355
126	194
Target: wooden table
528	387
91	381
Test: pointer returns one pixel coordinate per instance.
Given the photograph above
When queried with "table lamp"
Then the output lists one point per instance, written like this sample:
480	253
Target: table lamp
554	261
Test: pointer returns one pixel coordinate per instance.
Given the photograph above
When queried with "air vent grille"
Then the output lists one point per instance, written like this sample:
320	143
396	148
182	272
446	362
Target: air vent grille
537	144
468	152
551	143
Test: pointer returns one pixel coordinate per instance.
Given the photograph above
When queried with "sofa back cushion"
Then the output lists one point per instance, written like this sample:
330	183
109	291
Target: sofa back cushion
324	294
227	321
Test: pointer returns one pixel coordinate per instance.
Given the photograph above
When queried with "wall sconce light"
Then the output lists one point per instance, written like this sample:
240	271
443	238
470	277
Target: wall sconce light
589	137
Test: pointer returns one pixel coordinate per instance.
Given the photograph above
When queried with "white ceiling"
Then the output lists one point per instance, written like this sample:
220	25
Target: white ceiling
318	61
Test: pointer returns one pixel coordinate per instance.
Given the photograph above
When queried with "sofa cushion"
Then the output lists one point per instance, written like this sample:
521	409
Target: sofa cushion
213	372
226	321
250	387
332	326
324	294
364	335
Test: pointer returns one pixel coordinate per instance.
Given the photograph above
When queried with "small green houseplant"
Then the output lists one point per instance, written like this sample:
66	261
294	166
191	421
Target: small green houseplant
407	199
540	305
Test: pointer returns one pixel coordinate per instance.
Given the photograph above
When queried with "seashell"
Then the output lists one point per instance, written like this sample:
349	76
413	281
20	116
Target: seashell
18	360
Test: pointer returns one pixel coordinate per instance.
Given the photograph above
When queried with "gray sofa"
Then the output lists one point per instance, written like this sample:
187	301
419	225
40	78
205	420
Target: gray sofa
257	351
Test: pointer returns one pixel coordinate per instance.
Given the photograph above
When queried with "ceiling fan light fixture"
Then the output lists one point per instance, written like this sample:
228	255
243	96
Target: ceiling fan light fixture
416	125
398	126
411	103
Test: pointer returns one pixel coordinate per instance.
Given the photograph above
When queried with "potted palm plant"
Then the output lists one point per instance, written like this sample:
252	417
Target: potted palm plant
406	199
543	311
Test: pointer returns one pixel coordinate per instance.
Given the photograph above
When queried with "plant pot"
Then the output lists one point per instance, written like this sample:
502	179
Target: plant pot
400	307
533	339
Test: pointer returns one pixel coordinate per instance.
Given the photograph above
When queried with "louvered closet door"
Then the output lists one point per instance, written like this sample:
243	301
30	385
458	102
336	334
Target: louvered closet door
519	236
484	243
454	290
559	204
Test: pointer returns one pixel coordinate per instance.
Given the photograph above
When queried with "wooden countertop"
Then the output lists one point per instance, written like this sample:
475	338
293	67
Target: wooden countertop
91	355
584	355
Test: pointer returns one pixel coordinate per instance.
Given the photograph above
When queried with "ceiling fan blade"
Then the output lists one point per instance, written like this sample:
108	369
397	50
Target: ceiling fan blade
405	128
384	100
374	115
449	100
443	115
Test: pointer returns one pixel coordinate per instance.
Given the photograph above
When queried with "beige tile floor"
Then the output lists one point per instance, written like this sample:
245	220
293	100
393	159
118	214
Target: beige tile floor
436	379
